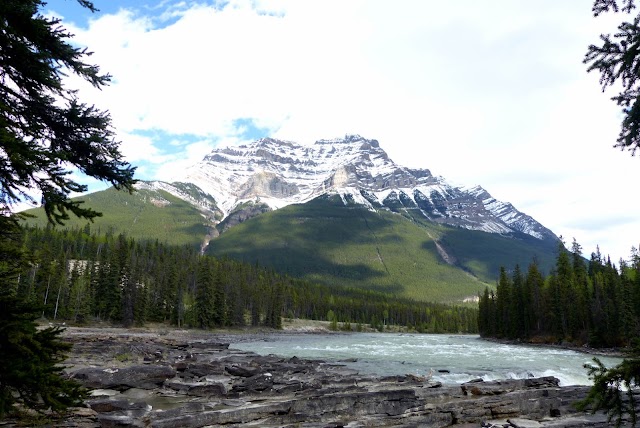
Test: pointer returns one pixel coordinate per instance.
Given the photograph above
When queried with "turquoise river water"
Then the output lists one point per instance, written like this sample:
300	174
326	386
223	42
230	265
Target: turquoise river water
451	358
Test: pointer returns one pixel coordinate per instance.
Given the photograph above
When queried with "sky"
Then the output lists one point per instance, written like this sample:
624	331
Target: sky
491	93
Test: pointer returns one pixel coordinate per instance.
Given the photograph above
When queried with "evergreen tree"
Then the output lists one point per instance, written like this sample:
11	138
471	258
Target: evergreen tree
275	311
617	59
492	314
44	128
592	304
30	359
628	321
560	296
503	305
140	281
581	284
13	259
598	334
534	286
614	388
44	132
613	302
221	312
635	278
80	297
518	305
125	282
577	302
483	314
205	295
108	297
31	373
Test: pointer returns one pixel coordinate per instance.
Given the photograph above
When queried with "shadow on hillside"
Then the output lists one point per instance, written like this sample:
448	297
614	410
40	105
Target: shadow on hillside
299	241
483	253
196	230
304	264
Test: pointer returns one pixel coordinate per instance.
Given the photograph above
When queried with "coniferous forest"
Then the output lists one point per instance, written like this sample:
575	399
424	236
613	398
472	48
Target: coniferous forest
81	277
582	302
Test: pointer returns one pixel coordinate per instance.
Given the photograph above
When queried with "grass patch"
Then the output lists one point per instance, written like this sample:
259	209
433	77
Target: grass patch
146	214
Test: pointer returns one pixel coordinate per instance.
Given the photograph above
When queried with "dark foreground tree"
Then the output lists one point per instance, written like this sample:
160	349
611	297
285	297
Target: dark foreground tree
45	134
45	131
30	358
614	390
617	59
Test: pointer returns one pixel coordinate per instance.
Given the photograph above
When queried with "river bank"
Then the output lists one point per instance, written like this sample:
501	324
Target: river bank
164	377
585	349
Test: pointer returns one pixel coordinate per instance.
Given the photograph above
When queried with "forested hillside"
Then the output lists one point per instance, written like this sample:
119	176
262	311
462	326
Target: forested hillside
580	302
82	277
330	240
338	244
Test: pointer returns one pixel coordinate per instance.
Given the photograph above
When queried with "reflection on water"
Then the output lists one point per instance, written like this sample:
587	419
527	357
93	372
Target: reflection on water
453	359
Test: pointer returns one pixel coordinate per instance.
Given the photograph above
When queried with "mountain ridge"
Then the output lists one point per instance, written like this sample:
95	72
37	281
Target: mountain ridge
277	173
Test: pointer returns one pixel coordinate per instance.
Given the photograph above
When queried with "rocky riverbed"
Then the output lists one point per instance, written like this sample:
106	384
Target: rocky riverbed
179	378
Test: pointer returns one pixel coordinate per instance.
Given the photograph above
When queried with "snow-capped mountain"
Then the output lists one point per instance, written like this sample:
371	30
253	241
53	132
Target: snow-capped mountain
271	174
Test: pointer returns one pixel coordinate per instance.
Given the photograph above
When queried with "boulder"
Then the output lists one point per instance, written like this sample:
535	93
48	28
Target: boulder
235	370
138	376
254	384
207	389
497	387
196	370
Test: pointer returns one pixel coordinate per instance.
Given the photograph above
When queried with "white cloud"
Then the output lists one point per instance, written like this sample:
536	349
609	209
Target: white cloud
491	93
189	155
137	148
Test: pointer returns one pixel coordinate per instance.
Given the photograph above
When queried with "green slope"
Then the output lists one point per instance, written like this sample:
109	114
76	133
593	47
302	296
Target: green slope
146	214
483	253
325	241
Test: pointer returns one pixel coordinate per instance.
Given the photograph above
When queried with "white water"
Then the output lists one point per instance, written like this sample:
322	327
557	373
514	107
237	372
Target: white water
466	357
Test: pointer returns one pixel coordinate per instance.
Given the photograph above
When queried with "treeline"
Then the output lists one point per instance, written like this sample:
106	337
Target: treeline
582	302
81	277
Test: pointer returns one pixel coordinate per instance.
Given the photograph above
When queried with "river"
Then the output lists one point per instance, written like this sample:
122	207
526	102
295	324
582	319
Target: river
452	359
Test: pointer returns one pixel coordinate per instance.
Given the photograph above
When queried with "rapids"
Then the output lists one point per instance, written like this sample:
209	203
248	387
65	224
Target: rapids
450	359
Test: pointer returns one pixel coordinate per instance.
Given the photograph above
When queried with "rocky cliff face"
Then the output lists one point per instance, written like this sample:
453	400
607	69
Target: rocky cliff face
275	173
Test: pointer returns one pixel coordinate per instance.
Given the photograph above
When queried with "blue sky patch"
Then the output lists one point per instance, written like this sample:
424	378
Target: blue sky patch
248	130
167	139
163	13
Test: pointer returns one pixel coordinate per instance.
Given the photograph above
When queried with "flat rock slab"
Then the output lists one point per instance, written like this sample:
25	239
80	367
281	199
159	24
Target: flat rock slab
524	423
195	379
138	376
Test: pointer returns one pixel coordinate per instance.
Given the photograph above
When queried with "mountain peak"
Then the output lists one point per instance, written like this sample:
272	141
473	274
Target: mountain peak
268	141
350	139
276	173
